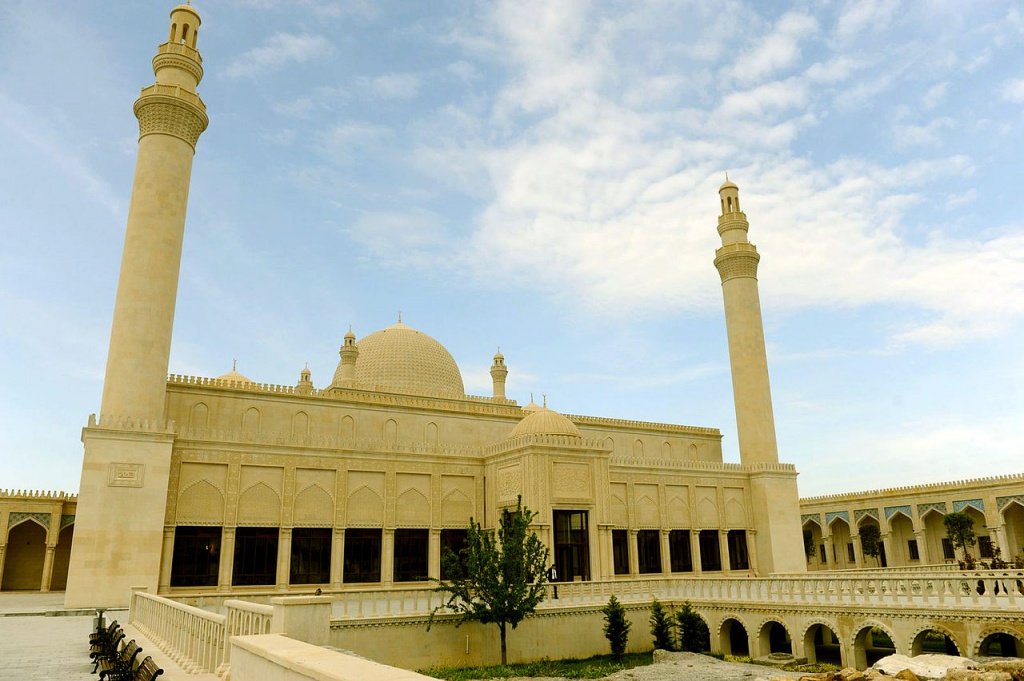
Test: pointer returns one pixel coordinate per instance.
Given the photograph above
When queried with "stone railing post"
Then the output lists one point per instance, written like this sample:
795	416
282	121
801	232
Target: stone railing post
303	618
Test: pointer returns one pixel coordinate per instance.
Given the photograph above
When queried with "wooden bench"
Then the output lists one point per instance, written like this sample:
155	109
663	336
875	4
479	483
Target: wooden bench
120	667
104	635
106	650
146	671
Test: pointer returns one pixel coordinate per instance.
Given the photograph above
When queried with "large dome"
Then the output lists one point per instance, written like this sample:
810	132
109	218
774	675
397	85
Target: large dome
544	421
401	359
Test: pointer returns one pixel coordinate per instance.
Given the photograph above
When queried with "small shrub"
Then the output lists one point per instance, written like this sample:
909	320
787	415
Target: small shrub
693	632
661	627
616	626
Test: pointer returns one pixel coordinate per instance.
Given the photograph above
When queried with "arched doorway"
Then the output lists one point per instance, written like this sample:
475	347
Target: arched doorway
1013	518
905	550
773	638
812	540
733	638
842	545
981	530
24	557
933	642
61	559
938	548
821	645
880	559
1001	644
870	645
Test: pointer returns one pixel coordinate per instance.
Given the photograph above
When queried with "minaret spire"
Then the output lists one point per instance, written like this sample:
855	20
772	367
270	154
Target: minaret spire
498	374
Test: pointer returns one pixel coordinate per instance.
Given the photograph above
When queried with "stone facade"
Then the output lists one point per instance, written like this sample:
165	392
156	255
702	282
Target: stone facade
911	525
225	485
36	529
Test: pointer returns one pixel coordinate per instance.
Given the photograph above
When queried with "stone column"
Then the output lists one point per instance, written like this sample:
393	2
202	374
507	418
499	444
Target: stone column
227	559
47	568
284	557
858	552
695	552
830	562
337	558
387	558
634	554
666	554
998	535
752	551
166	559
434	555
922	547
3	552
887	543
723	550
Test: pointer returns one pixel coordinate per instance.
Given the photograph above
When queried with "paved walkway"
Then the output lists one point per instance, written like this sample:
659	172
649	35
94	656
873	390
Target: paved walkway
40	640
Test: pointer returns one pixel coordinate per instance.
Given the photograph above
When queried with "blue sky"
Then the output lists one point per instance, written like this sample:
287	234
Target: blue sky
543	177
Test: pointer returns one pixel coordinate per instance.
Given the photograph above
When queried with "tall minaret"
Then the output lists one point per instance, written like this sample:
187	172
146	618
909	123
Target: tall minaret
171	118
737	262
777	540
120	537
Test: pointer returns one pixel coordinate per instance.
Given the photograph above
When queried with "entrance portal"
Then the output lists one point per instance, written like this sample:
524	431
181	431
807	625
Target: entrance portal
572	546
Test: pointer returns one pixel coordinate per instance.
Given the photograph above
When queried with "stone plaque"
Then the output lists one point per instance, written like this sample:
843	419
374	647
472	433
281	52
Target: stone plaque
125	474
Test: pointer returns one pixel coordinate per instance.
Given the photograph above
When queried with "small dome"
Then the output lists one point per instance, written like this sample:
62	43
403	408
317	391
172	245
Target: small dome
544	421
187	7
403	360
728	184
234	376
498	355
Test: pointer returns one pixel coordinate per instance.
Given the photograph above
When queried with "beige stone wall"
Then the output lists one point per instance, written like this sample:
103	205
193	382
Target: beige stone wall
914	514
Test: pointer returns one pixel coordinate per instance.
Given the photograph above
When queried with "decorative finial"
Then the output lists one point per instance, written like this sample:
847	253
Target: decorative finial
307	366
545	396
234	365
531	397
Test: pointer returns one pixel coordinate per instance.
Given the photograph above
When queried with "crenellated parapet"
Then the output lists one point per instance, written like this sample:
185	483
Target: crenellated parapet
113	422
37	495
563	442
952	485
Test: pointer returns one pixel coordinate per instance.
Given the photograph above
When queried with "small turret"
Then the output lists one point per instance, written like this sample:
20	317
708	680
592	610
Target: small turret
498	374
305	384
345	376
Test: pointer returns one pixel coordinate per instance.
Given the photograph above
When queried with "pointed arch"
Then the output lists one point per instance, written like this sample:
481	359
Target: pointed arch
251	422
365	507
638	448
199	416
347	428
391	430
412	509
430	433
259	505
200	503
456	508
314	506
300	425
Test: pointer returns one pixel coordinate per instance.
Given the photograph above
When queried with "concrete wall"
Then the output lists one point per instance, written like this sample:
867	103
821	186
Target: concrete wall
273	657
575	632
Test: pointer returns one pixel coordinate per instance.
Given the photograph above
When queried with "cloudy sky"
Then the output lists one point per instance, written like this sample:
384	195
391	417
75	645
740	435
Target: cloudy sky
542	176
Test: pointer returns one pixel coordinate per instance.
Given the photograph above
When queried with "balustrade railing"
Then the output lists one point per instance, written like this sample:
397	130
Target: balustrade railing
1001	591
191	637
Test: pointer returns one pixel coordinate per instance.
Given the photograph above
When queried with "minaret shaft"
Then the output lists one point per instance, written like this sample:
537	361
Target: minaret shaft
140	339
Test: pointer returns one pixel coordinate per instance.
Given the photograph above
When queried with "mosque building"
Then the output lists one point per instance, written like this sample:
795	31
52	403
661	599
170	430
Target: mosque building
214	486
228	485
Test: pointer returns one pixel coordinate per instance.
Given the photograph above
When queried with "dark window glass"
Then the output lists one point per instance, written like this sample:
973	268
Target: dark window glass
821	552
196	558
648	551
410	555
912	549
362	555
620	551
679	551
311	555
255	556
454	541
850	553
947	549
738	559
710	553
572	545
985	547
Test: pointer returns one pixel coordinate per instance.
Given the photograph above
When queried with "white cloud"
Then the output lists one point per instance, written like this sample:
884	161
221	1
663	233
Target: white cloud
395	85
1013	90
859	16
777	50
927	135
935	95
276	51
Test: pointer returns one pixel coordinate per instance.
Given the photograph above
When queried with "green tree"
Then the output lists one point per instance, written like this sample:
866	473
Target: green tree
693	631
871	541
499	576
960	530
808	544
661	627
616	626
